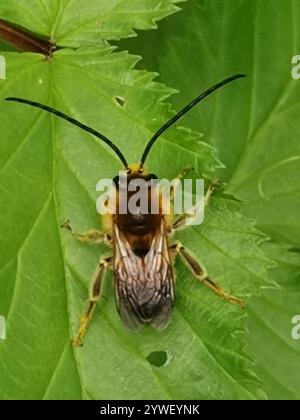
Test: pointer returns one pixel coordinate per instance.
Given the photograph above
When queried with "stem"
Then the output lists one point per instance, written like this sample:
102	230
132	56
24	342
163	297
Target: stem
25	41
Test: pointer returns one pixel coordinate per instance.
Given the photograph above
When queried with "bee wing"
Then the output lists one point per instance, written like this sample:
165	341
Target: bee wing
144	285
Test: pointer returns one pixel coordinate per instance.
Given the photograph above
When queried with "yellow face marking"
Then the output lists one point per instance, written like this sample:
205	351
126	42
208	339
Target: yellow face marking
135	168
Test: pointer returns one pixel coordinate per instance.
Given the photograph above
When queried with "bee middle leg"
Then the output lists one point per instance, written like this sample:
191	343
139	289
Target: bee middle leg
94	297
92	236
201	274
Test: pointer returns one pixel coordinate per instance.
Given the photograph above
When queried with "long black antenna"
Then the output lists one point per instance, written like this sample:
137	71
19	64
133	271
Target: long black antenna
75	122
184	111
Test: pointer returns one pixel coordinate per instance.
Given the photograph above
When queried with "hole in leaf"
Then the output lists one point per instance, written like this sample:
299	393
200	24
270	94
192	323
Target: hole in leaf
120	101
157	358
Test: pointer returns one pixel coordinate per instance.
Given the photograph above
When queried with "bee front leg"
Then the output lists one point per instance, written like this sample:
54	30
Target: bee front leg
201	274
183	219
184	172
178	179
94	297
92	236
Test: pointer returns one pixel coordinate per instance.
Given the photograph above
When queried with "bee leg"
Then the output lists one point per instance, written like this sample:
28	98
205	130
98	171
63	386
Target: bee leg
178	178
94	297
214	185
170	216
182	220
201	274
184	171
92	236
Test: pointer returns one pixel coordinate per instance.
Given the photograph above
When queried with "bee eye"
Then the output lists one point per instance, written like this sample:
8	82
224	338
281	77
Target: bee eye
152	176
116	180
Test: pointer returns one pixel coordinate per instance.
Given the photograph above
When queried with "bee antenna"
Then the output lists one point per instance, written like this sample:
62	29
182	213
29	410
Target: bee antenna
74	122
184	111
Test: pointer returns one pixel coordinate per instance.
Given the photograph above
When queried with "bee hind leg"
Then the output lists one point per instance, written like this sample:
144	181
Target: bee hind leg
201	274
94	297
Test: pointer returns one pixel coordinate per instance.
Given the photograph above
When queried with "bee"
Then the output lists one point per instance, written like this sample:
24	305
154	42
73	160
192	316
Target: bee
143	250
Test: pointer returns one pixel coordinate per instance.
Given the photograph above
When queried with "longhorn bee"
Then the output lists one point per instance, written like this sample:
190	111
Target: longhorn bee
142	259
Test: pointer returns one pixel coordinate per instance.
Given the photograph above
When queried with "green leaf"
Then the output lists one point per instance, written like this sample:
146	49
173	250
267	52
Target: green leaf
79	22
254	126
5	47
270	323
49	172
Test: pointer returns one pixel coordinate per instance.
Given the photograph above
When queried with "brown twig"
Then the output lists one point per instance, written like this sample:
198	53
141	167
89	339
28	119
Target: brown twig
24	40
